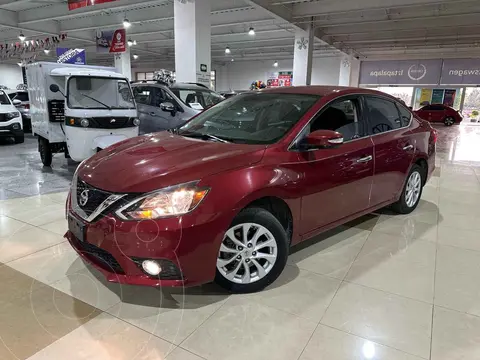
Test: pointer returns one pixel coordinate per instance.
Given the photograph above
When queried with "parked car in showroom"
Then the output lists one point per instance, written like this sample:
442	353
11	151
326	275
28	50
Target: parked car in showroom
10	119
224	199
162	106
439	113
23	106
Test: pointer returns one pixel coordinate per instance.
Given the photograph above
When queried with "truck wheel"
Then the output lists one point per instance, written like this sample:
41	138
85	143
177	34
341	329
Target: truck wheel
19	139
45	151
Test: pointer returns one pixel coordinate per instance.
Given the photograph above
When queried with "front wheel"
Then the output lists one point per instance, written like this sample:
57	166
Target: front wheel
253	252
45	151
412	191
449	121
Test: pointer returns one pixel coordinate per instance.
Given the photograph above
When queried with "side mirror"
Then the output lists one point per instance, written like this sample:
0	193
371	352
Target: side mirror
54	88
323	139
16	102
167	106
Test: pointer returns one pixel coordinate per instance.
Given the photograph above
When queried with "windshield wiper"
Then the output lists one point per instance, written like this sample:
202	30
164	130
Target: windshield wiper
98	101
204	136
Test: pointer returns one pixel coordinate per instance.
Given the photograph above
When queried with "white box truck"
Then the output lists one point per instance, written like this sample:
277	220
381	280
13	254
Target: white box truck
79	109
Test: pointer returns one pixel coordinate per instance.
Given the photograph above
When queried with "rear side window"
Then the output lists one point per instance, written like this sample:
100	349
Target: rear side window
436	108
22	96
382	114
405	115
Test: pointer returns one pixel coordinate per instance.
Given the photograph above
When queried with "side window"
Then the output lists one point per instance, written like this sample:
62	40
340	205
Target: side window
382	115
142	94
405	115
436	108
158	96
341	116
426	108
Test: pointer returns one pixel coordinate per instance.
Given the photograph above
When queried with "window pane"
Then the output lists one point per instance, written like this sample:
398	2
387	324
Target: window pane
142	95
382	114
149	76
405	114
340	117
141	76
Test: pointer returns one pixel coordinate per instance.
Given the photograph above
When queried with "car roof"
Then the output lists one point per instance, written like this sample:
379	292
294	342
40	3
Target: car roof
186	86
324	90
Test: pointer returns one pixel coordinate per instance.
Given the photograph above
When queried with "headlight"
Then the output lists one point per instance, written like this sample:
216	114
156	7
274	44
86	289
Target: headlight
172	201
136	122
84	122
12	115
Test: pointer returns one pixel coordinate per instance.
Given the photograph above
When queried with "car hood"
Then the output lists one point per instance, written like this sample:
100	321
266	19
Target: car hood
155	161
7	108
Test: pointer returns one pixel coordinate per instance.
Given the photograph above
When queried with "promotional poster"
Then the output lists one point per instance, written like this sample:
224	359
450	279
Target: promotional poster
71	56
111	41
77	4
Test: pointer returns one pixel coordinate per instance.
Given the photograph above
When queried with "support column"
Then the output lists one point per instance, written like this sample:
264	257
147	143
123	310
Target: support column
192	41
302	57
349	71
123	64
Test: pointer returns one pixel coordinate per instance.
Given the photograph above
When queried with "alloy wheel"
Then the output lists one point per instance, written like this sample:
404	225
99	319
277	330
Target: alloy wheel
412	191
449	121
247	254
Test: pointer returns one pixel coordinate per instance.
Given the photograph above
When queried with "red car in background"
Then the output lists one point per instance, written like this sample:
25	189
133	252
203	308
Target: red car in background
224	196
439	113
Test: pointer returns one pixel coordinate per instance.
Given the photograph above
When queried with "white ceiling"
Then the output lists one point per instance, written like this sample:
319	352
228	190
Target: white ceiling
370	29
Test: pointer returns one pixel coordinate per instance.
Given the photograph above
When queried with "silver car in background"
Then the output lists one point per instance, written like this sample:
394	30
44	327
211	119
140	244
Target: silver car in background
163	107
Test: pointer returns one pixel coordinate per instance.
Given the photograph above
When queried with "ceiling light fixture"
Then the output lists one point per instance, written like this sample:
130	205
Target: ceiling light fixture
232	60
19	64
135	56
275	64
251	32
129	42
46	51
134	42
126	23
21	37
227	50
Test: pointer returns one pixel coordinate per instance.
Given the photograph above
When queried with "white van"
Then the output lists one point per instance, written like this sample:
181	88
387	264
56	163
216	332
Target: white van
79	109
10	118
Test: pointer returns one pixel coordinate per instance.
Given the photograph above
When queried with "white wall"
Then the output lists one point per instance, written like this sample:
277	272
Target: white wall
239	75
10	75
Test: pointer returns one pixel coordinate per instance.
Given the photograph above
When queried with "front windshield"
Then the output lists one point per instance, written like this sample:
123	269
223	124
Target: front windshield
197	99
4	99
251	118
99	93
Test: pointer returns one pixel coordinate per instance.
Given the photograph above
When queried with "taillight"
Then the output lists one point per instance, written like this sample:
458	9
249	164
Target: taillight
434	136
27	106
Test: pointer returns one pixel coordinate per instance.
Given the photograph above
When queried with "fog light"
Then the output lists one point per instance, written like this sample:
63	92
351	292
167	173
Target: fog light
84	122
151	267
16	126
136	122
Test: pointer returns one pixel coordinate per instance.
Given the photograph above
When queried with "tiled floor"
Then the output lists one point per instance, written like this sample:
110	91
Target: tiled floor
382	287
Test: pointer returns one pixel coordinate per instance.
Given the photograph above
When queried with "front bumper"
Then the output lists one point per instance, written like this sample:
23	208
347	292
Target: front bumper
9	131
187	247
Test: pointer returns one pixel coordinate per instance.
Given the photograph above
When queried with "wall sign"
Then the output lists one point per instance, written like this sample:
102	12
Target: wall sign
71	56
203	68
111	41
461	72
401	72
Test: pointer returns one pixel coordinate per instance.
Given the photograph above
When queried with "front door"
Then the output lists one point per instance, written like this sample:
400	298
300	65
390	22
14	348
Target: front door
337	181
394	149
144	99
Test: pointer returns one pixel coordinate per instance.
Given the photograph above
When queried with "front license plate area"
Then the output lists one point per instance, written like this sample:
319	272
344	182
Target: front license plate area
76	227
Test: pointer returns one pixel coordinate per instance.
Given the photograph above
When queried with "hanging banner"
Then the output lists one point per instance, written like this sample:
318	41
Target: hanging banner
401	72
461	72
426	96
77	4
111	41
71	56
437	96
449	98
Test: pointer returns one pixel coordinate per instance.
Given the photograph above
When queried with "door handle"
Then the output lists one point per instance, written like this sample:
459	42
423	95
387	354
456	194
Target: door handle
365	159
408	147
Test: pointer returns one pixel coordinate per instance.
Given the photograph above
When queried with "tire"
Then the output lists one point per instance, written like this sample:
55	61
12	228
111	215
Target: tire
19	139
261	220
45	151
402	206
449	121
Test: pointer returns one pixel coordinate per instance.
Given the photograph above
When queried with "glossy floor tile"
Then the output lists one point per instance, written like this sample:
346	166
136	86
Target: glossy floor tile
381	287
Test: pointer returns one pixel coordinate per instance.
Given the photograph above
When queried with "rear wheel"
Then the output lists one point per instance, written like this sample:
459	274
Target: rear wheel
412	191
449	121
45	151
253	252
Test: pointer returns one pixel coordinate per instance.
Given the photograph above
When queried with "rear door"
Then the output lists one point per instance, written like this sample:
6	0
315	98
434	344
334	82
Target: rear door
388	124
436	113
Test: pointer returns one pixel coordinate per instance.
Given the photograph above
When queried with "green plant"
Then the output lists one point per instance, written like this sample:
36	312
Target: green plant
475	113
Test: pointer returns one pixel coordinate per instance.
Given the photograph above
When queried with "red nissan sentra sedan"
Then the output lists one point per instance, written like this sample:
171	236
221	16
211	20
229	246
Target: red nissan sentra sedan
224	196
